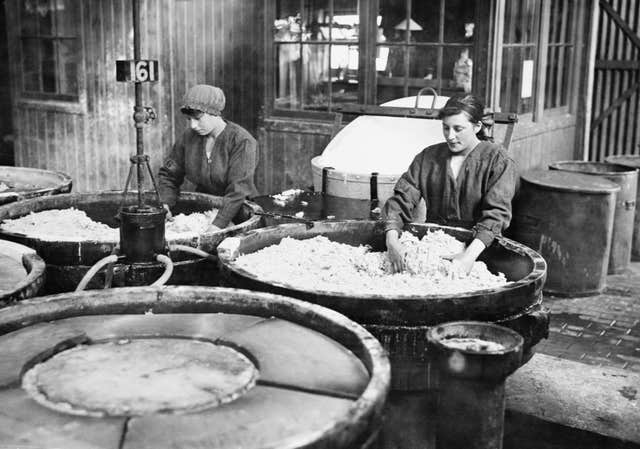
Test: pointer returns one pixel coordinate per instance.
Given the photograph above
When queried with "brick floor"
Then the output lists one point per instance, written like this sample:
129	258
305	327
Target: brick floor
601	330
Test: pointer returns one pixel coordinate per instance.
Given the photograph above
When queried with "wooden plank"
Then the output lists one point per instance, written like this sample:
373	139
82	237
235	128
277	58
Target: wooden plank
620	22
328	368
617	103
25	423
264	417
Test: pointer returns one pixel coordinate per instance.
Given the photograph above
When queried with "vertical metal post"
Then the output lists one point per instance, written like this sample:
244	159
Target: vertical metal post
138	109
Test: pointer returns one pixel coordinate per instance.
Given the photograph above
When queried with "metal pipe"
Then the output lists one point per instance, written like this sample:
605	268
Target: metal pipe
168	270
138	109
94	269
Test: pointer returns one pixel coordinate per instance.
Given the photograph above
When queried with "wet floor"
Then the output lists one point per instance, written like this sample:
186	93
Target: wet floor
601	330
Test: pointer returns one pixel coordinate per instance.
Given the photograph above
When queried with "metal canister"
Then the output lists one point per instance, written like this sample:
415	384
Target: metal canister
632	162
627	179
470	382
142	233
568	218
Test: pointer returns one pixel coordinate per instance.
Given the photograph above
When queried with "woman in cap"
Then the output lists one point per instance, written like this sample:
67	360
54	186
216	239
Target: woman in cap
217	155
465	181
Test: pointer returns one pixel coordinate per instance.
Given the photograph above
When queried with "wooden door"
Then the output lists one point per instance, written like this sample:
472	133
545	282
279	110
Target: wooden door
615	128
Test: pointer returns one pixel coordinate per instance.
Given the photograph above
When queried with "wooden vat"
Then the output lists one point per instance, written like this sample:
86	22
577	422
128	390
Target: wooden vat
20	183
331	397
67	261
22	272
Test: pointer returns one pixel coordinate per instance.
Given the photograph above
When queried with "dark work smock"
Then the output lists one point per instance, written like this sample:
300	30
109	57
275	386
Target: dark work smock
228	173
480	198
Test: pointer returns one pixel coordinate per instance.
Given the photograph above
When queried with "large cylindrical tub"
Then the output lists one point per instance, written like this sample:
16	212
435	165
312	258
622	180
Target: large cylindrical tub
69	260
400	323
22	272
21	183
187	367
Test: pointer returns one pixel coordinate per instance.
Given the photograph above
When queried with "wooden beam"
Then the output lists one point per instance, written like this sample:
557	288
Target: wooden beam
588	98
616	104
604	64
624	26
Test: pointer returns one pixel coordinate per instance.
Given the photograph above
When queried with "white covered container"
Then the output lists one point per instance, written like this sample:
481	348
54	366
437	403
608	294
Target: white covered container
376	144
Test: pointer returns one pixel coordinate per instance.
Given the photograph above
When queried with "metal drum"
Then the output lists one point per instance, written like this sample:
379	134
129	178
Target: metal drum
632	162
627	179
22	272
20	183
568	218
68	261
302	376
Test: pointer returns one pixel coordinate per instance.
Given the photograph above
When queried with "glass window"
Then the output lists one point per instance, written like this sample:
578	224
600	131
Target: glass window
429	44
560	54
518	56
51	53
316	52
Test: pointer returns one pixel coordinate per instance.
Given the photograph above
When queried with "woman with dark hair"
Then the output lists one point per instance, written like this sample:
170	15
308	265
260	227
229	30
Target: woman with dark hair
215	154
466	181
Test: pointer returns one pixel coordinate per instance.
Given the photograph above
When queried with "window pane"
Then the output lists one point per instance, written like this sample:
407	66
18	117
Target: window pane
423	62
287	25
560	54
458	69
458	21
316	21
68	49
346	21
31	65
517	79
519	21
393	15
426	21
67	18
29	18
45	17
315	69
48	64
287	75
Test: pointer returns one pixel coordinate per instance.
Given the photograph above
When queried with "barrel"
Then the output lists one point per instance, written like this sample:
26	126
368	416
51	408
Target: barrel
22	272
568	218
632	162
69	260
20	183
400	323
627	179
198	367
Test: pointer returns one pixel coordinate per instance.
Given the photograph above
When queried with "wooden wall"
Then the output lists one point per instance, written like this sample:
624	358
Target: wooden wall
6	124
195	41
615	128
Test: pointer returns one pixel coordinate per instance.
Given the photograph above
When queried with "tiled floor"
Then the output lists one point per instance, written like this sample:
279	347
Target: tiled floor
598	330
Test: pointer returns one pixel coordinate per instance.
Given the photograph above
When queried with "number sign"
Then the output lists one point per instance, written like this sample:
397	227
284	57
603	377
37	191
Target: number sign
140	71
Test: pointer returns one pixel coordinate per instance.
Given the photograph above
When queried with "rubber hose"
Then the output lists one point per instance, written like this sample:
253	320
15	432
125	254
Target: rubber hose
192	250
168	270
94	270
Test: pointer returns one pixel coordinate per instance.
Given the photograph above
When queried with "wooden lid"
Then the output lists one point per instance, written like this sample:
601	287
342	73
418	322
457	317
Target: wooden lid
566	181
286	384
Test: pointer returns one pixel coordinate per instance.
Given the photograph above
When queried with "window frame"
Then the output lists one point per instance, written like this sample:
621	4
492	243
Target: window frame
60	102
489	74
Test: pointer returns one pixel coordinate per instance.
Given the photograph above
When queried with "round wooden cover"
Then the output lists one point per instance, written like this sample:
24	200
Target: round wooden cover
140	376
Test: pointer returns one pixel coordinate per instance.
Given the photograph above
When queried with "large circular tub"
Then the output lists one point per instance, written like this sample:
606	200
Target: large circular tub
69	260
401	322
187	367
21	183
